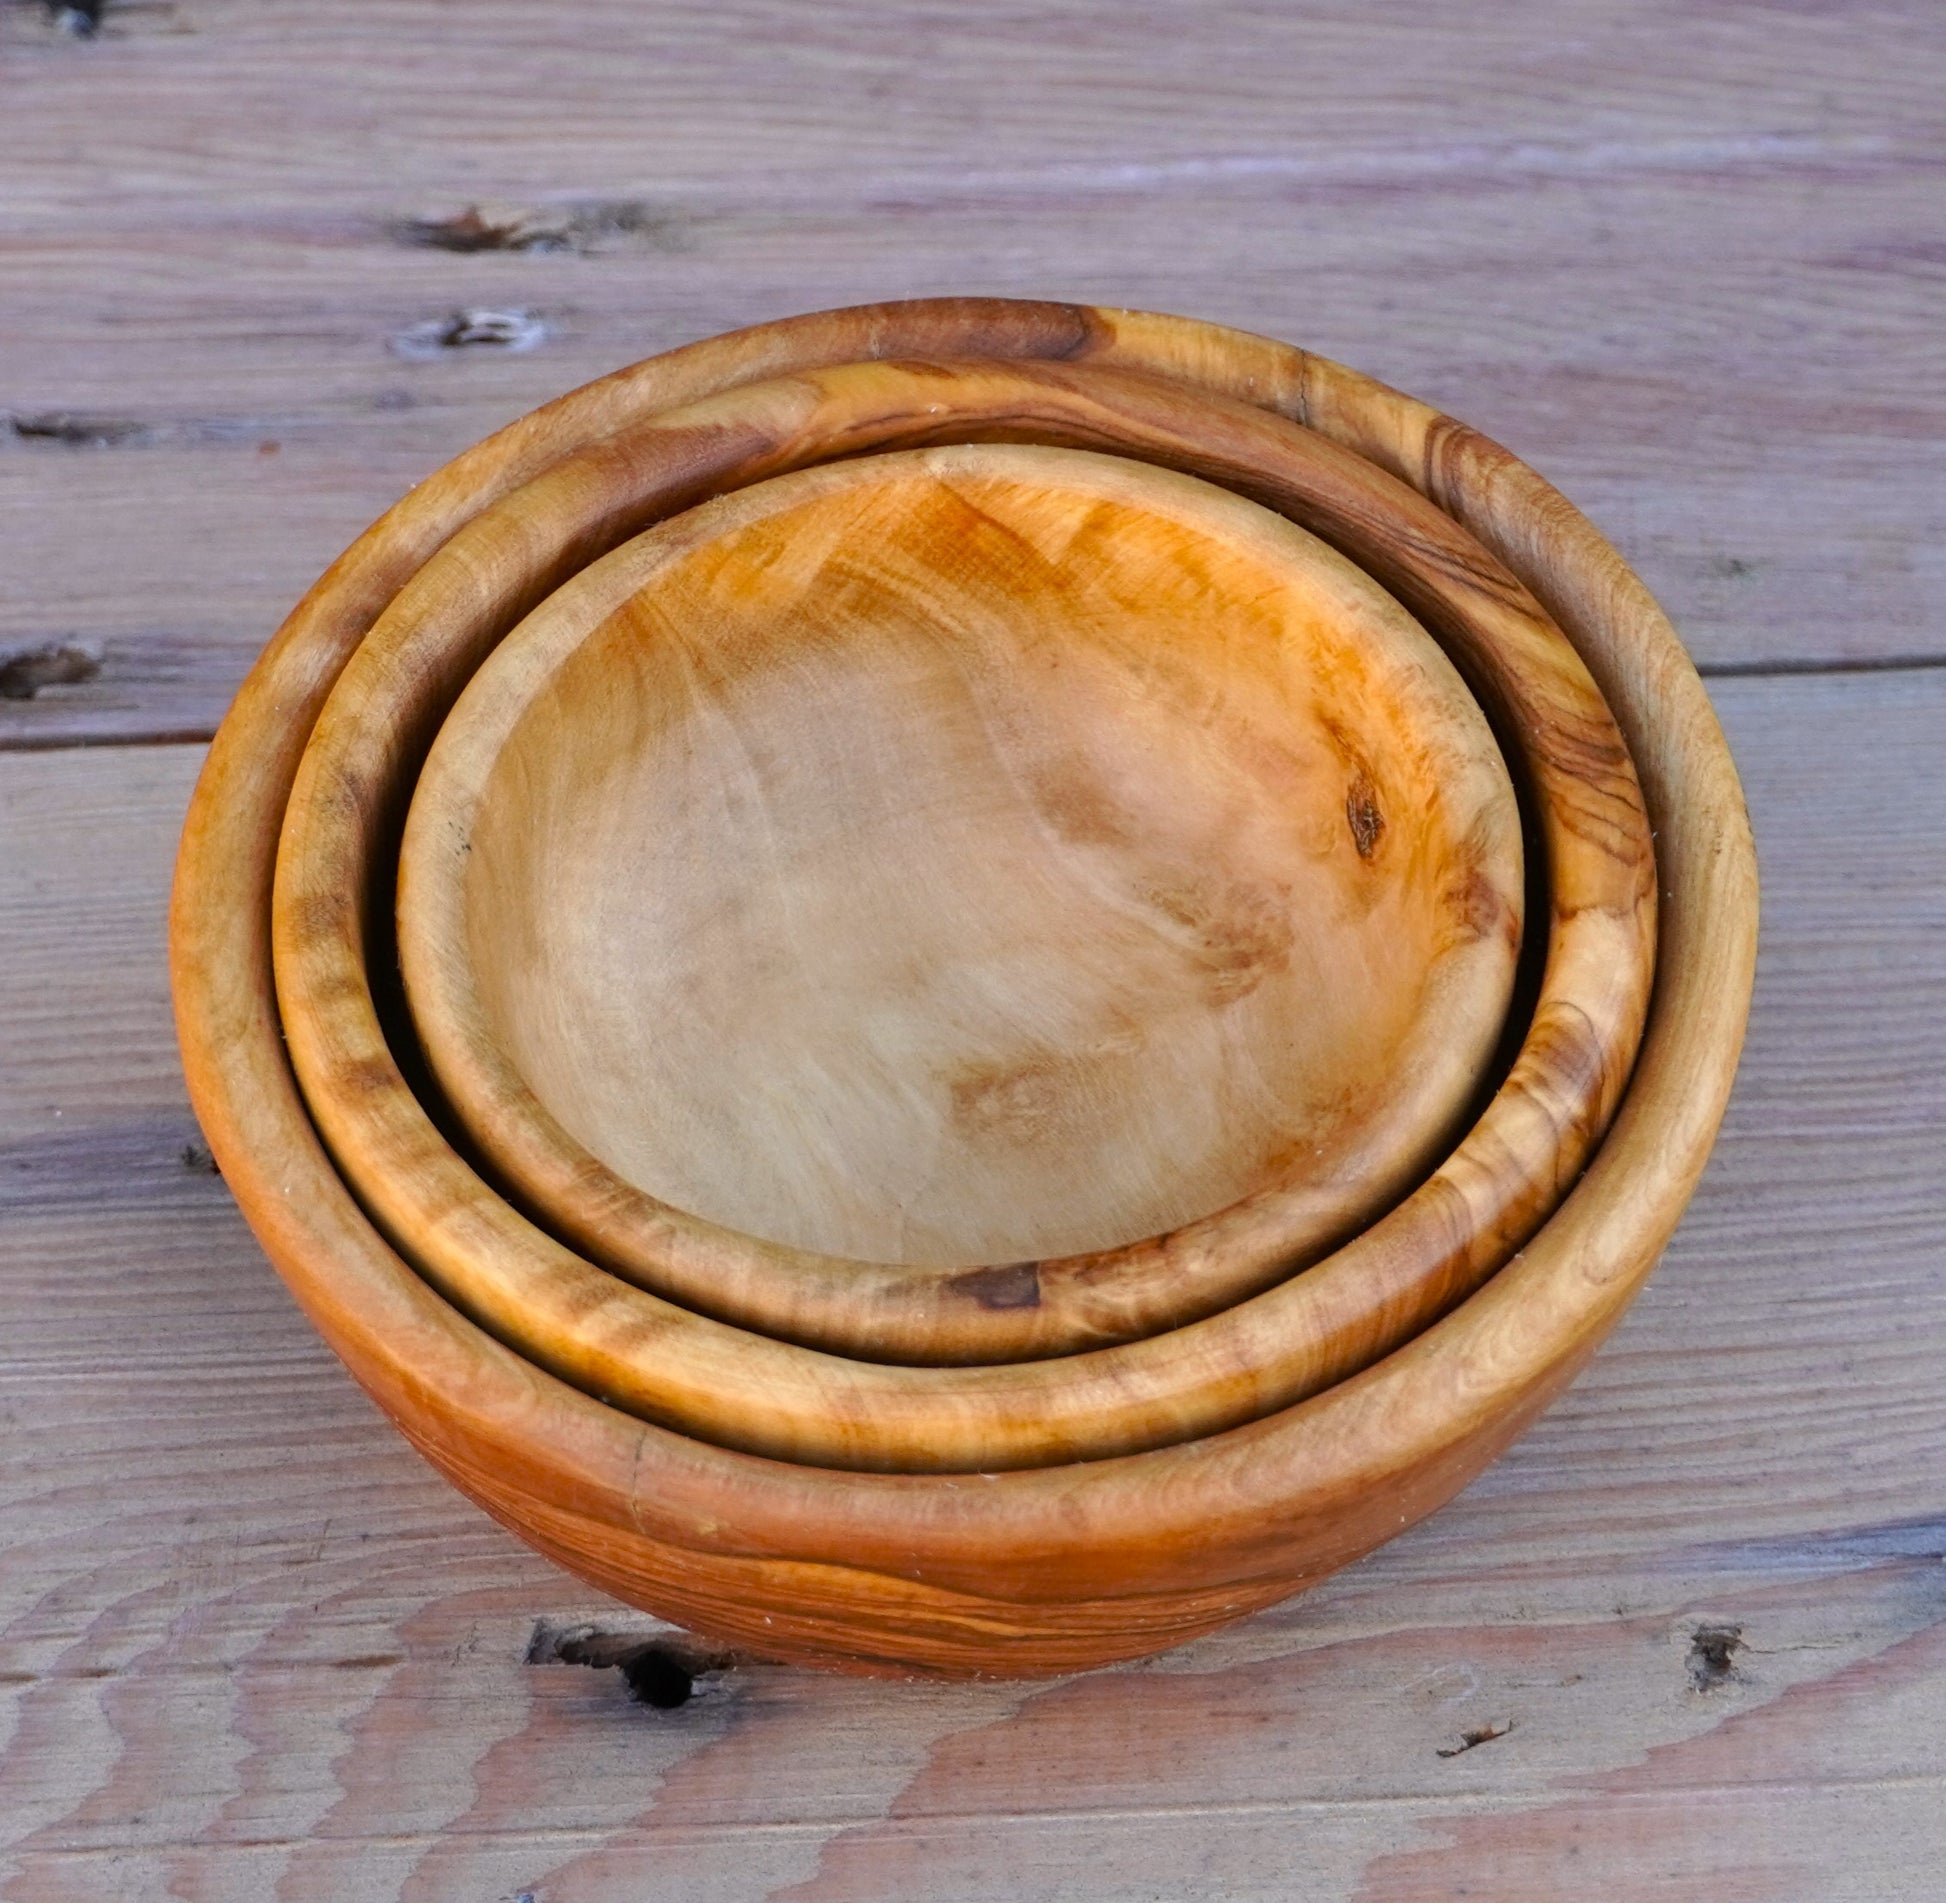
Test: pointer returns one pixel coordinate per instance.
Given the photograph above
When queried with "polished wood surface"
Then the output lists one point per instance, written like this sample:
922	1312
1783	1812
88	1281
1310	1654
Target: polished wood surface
964	857
1063	1564
755	1393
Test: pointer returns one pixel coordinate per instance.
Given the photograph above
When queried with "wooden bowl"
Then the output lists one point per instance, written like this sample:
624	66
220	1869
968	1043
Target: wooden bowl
959	857
749	1391
1052	1569
752	1392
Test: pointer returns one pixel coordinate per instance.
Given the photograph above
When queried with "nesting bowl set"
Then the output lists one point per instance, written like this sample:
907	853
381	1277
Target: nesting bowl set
966	986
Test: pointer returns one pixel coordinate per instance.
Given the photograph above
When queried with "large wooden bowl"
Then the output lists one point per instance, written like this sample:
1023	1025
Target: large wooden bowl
955	858
751	1392
1051	1569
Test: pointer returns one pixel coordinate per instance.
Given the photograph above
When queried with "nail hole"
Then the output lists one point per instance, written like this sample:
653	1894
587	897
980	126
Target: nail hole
661	1673
657	1678
25	671
79	19
587	225
1472	1740
513	331
1713	1653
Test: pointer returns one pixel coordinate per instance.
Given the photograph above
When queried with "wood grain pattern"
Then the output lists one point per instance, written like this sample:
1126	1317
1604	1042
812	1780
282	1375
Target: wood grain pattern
901	103
249	1647
955	858
667	1365
253	1649
880	1570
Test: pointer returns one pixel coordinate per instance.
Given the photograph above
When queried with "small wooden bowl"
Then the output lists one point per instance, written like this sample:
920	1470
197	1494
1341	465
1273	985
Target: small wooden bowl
1054	1569
761	1395
958	857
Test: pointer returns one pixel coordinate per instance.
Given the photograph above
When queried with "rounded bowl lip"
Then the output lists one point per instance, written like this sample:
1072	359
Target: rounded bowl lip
1249	1514
1469	982
1259	1353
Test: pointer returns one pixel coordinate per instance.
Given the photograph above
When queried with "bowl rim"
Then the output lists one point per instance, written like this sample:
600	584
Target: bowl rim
744	1389
1457	1015
1048	1568
1462	796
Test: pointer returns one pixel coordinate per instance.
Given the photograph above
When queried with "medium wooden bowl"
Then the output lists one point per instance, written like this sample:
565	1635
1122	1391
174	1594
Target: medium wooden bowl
959	857
1052	1569
752	1392
760	1395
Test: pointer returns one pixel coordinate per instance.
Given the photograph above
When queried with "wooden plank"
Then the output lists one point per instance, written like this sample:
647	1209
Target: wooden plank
250	1648
1779	519
895	96
1684	261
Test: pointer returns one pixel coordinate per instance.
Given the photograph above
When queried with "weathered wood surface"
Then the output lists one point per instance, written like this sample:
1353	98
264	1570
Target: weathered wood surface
252	1648
1684	259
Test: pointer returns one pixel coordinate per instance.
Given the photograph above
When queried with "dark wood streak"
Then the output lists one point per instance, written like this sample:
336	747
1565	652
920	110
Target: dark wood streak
1362	815
1008	1285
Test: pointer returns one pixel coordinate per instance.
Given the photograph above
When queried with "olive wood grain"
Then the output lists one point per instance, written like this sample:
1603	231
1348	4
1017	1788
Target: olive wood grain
1052	1569
957	857
771	1397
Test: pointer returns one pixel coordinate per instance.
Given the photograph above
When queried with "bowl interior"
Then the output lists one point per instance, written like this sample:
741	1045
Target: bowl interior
983	854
